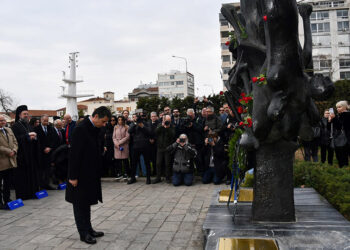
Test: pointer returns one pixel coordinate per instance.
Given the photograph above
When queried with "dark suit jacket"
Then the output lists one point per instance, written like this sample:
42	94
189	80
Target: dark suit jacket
84	164
70	131
56	141
45	141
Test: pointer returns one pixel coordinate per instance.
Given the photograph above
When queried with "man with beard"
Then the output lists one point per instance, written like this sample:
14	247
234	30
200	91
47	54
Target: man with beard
85	163
26	174
176	122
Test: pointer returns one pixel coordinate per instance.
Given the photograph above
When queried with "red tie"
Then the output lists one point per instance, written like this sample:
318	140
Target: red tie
67	133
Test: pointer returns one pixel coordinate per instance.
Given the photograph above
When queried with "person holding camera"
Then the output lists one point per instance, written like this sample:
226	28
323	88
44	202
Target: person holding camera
184	155
192	127
141	135
212	122
215	159
165	136
121	147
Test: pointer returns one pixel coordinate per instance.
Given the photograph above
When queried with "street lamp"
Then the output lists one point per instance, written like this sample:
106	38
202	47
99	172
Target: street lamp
183	59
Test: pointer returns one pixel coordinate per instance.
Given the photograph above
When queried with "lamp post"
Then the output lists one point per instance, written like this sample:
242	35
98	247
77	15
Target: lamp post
183	59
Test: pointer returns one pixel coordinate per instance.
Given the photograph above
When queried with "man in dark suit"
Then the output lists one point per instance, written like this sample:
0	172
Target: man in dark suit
44	134
70	125
58	136
85	164
153	124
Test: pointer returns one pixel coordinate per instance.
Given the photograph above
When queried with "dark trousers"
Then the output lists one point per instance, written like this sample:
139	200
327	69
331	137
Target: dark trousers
82	216
163	159
342	156
119	163
311	150
199	160
324	150
5	186
211	176
179	178
153	159
136	159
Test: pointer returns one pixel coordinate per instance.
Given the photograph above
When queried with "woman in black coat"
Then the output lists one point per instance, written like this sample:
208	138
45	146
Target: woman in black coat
325	139
341	125
108	158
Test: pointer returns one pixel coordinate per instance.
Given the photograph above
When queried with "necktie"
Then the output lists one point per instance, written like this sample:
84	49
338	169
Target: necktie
45	130
3	130
67	133
59	134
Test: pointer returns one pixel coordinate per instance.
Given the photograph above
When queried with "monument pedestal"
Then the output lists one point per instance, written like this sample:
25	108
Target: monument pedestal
317	225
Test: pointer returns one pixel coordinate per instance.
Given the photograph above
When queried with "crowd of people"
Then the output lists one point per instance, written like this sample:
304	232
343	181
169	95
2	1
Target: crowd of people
168	146
332	135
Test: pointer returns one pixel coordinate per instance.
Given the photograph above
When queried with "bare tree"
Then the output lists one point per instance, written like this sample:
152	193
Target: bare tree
7	102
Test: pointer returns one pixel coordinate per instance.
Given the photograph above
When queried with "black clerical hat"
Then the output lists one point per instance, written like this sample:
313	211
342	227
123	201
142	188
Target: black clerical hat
19	110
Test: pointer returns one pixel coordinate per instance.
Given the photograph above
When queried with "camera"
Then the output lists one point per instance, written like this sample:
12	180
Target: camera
210	139
139	119
182	140
186	121
121	148
167	123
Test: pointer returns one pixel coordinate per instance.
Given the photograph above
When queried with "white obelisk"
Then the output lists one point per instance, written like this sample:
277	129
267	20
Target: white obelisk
71	94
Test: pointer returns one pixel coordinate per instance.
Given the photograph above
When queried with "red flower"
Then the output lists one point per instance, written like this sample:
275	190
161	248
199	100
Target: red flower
254	79
227	43
250	123
240	110
248	98
262	79
265	18
243	94
221	92
241	124
240	100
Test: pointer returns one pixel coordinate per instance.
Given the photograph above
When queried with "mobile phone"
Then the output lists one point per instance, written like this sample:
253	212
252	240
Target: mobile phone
331	111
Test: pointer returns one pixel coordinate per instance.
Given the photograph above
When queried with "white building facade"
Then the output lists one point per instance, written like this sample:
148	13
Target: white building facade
330	38
175	84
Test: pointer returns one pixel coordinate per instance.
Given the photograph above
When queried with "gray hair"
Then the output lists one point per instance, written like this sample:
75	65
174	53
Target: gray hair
211	108
190	111
342	104
153	113
184	136
43	116
56	121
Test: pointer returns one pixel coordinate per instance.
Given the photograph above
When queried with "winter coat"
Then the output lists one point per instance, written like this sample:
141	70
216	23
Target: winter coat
325	138
140	136
220	157
7	145
183	158
195	133
85	164
342	121
165	137
214	123
121	142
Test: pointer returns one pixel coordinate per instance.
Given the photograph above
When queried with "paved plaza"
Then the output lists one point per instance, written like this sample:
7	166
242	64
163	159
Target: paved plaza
137	216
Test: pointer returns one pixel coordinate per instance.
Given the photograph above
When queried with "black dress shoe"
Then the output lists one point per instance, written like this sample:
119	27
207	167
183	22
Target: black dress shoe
157	180
3	206
96	234
131	181
88	239
148	181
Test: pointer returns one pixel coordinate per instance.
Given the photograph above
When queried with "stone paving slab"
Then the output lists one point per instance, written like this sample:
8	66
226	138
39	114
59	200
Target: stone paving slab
137	216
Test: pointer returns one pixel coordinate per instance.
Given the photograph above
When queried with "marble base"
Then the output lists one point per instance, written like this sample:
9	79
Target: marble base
318	225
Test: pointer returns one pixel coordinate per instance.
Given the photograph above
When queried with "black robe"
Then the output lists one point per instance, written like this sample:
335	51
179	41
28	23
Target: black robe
84	164
25	176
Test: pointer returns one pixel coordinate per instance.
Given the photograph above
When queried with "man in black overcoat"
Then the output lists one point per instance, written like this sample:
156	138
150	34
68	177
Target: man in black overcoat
84	171
25	176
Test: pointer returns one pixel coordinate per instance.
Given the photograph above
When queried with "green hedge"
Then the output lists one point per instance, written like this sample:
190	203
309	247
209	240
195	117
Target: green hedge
331	182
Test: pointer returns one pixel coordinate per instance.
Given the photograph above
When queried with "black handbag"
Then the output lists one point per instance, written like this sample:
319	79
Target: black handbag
340	139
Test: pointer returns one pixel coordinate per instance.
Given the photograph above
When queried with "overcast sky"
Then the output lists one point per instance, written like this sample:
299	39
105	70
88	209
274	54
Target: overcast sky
121	43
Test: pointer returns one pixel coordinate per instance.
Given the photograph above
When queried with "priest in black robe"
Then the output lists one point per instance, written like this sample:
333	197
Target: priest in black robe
25	176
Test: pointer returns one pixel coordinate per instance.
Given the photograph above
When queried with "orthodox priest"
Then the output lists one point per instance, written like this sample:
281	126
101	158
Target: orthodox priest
26	174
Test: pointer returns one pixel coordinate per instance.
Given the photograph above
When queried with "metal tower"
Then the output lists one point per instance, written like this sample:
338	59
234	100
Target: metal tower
71	94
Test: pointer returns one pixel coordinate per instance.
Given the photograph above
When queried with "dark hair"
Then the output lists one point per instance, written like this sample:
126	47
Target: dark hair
102	112
121	117
32	121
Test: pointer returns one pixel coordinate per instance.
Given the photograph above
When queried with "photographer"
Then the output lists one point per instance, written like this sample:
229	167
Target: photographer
212	122
215	159
141	135
183	161
165	136
194	129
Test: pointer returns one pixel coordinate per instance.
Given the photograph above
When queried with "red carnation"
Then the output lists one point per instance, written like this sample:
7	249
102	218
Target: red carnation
227	43
243	94
249	98
240	110
221	92
240	100
250	123
254	79
241	124
262	79
265	18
